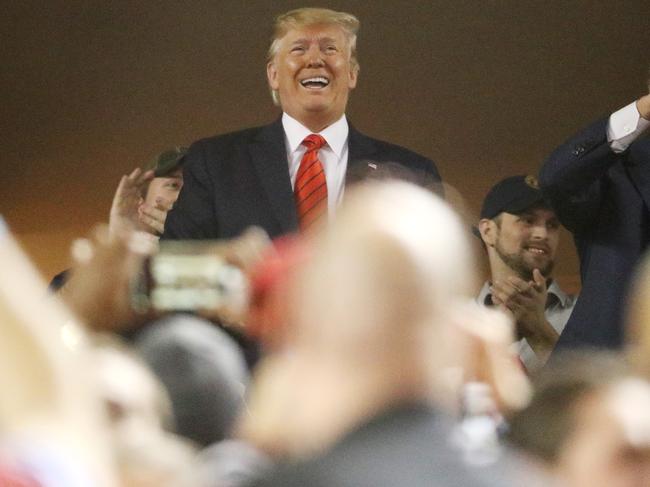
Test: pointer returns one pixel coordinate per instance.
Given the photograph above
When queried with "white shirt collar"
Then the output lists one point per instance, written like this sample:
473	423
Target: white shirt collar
563	297
336	134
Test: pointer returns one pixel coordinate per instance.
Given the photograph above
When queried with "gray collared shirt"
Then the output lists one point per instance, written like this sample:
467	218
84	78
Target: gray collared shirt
559	306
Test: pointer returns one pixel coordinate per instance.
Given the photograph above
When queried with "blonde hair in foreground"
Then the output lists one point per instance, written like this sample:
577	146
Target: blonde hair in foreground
373	316
393	263
304	17
367	311
637	323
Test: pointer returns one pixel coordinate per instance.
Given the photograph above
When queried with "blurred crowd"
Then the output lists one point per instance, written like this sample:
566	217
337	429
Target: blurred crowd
341	342
376	366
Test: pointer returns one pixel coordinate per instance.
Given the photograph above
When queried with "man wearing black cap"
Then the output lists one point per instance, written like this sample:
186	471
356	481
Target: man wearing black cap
521	233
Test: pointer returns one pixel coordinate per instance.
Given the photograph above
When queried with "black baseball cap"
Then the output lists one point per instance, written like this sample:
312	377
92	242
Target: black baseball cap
512	195
167	161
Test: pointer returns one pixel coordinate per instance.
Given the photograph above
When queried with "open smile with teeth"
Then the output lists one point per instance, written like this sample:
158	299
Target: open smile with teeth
537	250
315	82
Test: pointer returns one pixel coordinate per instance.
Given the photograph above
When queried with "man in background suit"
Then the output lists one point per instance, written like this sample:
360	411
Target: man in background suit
249	177
599	185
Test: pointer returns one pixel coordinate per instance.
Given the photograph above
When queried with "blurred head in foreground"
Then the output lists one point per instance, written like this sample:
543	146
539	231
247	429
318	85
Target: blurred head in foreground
588	422
638	320
202	370
381	284
140	414
366	314
396	260
610	446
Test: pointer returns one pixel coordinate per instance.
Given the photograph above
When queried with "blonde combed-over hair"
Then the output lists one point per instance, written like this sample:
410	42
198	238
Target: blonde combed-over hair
304	17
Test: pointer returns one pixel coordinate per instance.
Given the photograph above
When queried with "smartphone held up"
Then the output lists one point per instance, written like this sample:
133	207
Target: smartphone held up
202	276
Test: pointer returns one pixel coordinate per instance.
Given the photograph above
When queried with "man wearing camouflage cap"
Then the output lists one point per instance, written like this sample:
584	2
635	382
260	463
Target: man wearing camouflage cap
143	198
521	234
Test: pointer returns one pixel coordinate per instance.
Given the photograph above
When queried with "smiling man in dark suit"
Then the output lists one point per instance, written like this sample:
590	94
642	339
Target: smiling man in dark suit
286	175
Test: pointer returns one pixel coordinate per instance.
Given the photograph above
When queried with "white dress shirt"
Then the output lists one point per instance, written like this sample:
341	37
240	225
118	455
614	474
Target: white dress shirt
624	127
333	155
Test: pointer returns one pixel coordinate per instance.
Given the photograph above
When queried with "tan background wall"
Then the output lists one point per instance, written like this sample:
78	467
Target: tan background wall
486	88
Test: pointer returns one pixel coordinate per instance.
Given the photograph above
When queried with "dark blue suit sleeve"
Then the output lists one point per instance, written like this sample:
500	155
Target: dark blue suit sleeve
572	176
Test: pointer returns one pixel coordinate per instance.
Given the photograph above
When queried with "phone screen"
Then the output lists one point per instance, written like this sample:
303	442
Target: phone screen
189	276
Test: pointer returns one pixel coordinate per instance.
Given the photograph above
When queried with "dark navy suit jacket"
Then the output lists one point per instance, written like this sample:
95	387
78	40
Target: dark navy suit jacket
603	199
240	179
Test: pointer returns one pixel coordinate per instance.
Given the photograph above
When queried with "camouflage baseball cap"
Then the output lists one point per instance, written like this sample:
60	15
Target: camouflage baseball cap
168	161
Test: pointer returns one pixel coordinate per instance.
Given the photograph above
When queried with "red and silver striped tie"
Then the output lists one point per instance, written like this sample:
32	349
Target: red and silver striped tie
310	188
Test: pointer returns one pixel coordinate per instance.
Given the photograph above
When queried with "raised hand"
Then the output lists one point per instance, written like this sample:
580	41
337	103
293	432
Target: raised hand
151	219
98	291
127	200
643	105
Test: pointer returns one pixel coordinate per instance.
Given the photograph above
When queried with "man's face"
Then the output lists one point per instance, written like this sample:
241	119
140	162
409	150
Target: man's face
528	241
313	74
167	188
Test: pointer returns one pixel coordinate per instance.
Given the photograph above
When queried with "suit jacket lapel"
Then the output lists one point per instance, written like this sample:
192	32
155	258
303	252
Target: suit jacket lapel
270	159
361	150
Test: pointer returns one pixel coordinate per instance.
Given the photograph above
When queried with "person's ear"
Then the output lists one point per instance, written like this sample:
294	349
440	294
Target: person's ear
353	76
489	230
272	75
